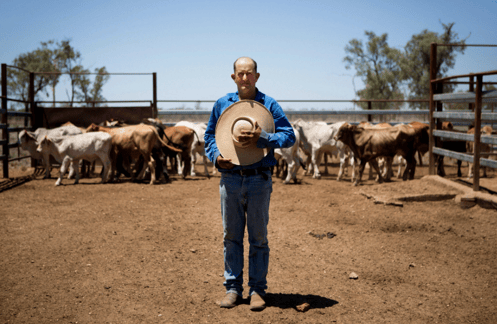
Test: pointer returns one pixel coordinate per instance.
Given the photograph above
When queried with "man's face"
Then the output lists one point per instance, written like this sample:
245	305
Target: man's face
245	77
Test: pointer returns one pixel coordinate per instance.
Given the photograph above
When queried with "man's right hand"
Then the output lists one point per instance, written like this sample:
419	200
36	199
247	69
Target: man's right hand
224	163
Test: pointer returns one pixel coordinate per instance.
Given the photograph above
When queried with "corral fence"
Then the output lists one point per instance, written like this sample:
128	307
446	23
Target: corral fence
475	97
40	114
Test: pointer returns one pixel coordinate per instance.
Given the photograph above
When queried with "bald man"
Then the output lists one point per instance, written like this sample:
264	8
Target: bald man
245	191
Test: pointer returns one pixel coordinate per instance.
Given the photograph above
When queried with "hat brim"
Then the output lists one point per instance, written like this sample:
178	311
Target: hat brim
224	140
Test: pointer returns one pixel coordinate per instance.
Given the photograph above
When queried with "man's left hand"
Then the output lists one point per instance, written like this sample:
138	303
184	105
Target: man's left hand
250	138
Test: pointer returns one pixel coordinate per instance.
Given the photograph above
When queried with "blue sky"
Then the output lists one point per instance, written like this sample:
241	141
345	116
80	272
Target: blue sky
298	45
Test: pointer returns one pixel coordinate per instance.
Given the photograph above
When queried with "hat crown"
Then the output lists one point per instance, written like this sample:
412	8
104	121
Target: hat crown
240	125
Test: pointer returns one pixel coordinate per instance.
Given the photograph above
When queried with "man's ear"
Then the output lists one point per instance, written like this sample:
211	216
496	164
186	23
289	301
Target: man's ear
257	75
233	76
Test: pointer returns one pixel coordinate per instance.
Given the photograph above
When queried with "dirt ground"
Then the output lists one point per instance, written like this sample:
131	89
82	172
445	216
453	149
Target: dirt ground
136	253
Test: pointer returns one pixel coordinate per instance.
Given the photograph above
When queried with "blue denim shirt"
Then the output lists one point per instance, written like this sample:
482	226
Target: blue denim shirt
283	136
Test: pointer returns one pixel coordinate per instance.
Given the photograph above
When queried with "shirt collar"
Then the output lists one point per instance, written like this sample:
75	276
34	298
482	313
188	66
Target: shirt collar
259	96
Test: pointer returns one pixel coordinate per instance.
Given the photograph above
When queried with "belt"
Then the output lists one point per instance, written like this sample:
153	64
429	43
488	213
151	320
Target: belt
252	172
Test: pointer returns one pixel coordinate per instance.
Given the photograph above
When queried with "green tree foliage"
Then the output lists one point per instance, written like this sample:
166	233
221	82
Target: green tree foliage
39	60
415	62
90	92
378	66
61	59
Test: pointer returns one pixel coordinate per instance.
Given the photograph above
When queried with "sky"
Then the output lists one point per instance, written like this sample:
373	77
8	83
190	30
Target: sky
299	46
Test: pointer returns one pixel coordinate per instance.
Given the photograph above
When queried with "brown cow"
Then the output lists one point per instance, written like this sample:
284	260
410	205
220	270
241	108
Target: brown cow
180	137
368	144
484	148
384	163
451	145
134	141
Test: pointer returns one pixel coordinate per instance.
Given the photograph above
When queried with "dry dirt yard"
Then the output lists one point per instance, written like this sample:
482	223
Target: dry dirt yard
136	253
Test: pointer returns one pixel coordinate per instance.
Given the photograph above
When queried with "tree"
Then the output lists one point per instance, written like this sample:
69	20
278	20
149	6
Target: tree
88	92
58	58
415	62
39	60
378	66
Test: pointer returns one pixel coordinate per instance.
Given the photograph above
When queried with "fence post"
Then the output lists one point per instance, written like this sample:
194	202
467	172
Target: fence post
433	72
369	108
5	131
155	94
31	98
476	157
471	106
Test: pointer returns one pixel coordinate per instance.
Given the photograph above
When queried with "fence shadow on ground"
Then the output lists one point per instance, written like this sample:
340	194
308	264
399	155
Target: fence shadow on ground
14	182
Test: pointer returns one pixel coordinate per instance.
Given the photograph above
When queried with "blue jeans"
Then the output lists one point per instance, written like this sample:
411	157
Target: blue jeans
245	196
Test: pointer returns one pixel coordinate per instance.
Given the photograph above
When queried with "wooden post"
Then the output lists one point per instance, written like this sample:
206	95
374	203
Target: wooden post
476	157
155	113
433	63
5	131
31	98
471	106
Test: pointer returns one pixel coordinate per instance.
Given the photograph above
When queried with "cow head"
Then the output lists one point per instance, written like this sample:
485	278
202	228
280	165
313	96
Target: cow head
93	128
25	137
343	132
43	145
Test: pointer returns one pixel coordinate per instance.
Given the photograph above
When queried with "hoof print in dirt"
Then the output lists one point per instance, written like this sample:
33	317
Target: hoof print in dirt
320	236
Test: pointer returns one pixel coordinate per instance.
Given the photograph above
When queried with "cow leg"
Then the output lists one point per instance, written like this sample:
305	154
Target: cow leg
204	159
401	161
296	168
371	176
316	160
75	170
440	166
459	173
374	163
151	165
352	165
46	163
179	163
325	163
193	162
72	169
290	171
387	168
187	163
361	171
343	164
420	158
63	169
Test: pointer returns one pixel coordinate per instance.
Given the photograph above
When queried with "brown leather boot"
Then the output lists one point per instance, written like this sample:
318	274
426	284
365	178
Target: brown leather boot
230	300
256	302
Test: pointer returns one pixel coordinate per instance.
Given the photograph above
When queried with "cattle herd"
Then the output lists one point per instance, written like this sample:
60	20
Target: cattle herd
144	150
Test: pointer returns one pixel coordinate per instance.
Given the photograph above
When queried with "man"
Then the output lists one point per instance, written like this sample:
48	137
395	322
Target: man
245	191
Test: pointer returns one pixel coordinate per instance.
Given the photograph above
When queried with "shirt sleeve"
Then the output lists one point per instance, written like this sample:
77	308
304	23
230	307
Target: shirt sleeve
211	149
283	136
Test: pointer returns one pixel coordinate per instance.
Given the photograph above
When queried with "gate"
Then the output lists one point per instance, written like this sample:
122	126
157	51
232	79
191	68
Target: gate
474	98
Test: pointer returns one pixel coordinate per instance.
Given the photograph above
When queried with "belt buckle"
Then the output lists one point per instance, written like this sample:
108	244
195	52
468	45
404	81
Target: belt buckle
243	172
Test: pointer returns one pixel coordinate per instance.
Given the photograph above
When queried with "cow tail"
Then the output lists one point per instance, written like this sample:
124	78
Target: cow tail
172	148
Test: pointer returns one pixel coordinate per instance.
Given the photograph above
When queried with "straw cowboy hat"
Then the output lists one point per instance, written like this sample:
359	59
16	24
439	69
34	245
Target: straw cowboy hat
238	117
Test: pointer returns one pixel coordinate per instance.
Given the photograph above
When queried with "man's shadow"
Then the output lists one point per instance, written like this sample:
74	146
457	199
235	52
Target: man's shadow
285	301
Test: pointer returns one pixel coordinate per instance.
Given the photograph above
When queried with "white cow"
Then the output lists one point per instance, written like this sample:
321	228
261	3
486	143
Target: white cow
291	156
29	141
318	138
71	149
198	146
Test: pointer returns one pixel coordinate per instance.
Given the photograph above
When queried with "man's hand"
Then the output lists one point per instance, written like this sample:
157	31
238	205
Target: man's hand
224	163
250	138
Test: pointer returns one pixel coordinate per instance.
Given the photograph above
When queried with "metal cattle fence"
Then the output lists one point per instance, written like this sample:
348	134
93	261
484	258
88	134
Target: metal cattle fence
475	97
